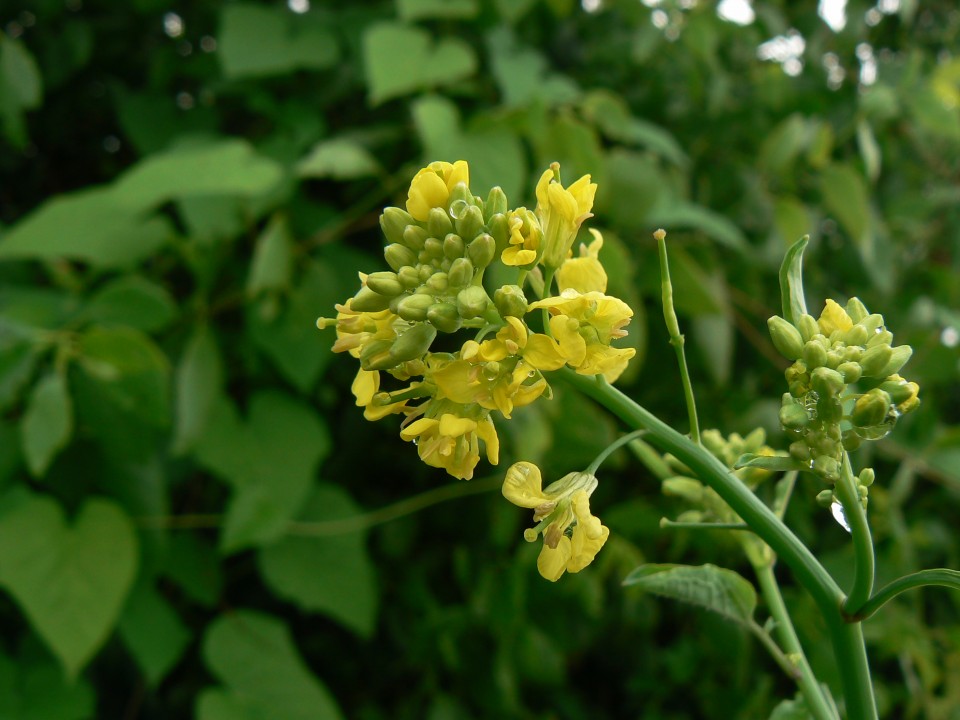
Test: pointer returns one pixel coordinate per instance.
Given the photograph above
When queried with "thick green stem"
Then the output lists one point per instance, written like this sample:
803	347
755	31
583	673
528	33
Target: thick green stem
938	576
847	638
846	492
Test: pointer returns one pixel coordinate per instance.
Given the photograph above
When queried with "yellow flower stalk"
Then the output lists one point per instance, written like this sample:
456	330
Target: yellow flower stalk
431	187
572	535
584	273
561	211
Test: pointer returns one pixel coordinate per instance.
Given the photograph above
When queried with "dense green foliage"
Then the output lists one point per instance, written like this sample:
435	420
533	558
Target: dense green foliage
195	520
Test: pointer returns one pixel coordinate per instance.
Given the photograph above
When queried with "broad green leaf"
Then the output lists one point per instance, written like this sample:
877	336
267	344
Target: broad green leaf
714	588
775	463
23	309
400	59
259	41
194	566
35	689
695	292
270	460
795	709
632	189
262	673
132	372
272	264
213	218
338	158
421	9
524	75
869	150
513	10
133	301
21	88
677	214
611	114
10	453
153	632
714	338
845	195
18	358
70	580
329	573
199	381
783	144
574	144
47	424
791	219
792	299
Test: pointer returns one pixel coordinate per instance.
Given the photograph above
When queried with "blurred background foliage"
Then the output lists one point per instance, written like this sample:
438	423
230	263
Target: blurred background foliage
196	522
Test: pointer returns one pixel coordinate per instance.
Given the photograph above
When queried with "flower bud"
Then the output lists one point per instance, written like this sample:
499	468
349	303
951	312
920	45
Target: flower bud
826	467
857	335
413	308
793	416
424	272
398	255
851	440
459	198
814	355
871	408
482	250
883	337
472	302
453	246
825	498
460	273
384	283
438	223
438	282
376	355
414	237
510	301
830	411
469	223
786	338
413	342
875	360
444	317
496	202
899	389
409	277
393	222
856	310
366	300
872	323
908	405
827	382
432	249
808	327
500	231
898	358
800	451
866	477
850	371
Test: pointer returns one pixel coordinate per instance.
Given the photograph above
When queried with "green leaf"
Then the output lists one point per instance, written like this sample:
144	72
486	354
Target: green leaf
795	709
791	219
133	301
612	115
400	59
845	195
130	370
272	264
678	214
193	564
21	88
340	159
70	581
199	380
47	424
633	186
524	75
35	689
263	675
18	357
270	460
718	589
421	9
153	632
258	41
330	573
869	150
775	463
791	282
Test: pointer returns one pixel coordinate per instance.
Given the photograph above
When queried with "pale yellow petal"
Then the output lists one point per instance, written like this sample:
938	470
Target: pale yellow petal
552	562
488	433
417	428
543	352
523	485
365	386
572	345
453	426
427	190
834	317
583	548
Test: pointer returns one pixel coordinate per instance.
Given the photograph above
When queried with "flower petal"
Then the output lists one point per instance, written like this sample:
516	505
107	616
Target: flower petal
523	485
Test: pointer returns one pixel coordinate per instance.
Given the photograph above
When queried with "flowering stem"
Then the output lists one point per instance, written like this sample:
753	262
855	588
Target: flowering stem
846	492
847	638
937	576
676	338
613	447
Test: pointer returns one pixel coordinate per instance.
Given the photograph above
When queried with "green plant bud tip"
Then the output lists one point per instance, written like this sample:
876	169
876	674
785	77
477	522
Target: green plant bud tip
850	371
413	342
800	451
445	317
829	411
851	440
807	325
883	337
866	477
786	338
438	282
469	223
433	247
385	283
460	196
899	389
414	237
472	302
500	231
856	310
409	277
366	300
872	323
482	250
825	498
453	246
826	467
510	301
793	416
438	223
871	408
393	222
814	354
413	308
496	203
874	360
898	358
460	273
826	381
398	255
857	335
376	355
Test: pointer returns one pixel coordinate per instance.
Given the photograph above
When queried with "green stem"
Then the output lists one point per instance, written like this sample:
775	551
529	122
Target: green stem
846	492
817	702
613	447
847	639
651	459
938	576
682	525
782	659
676	338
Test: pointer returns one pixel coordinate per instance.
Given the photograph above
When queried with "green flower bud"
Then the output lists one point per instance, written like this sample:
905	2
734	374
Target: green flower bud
413	308
496	203
472	302
424	272
413	342
438	282
851	440
409	277
829	410
800	451
908	405
482	250
814	354
883	337
850	371
825	498
875	360
453	246
393	222
833	359
871	408
754	440
793	416
856	310
500	231
376	355
857	335
444	317
786	338
366	300
899	389
433	248
827	382
826	467
438	223
898	358
384	283
398	255
459	197
852	353
414	237
798	379
807	325
510	301
469	223
872	323
866	477
461	273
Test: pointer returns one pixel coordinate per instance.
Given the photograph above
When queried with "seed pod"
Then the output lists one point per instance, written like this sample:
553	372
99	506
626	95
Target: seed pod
384	283
871	408
366	300
413	342
438	223
393	222
472	302
898	358
856	310
482	250
850	371
468	224
808	327
786	338
444	317
496	203
413	308
875	360
414	237
510	301
814	354
826	467
461	273
398	255
453	247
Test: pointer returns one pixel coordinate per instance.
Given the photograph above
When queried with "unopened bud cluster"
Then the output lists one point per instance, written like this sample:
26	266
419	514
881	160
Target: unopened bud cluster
843	383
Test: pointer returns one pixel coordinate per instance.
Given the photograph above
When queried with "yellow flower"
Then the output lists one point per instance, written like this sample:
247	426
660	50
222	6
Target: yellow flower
356	330
584	325
561	212
525	237
451	442
585	273
365	389
572	535
834	318
432	185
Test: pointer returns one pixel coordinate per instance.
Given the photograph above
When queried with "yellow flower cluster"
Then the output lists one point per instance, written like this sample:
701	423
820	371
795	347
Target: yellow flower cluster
439	248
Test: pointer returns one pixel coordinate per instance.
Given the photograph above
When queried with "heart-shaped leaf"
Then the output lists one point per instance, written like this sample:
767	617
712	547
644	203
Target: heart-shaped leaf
71	581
